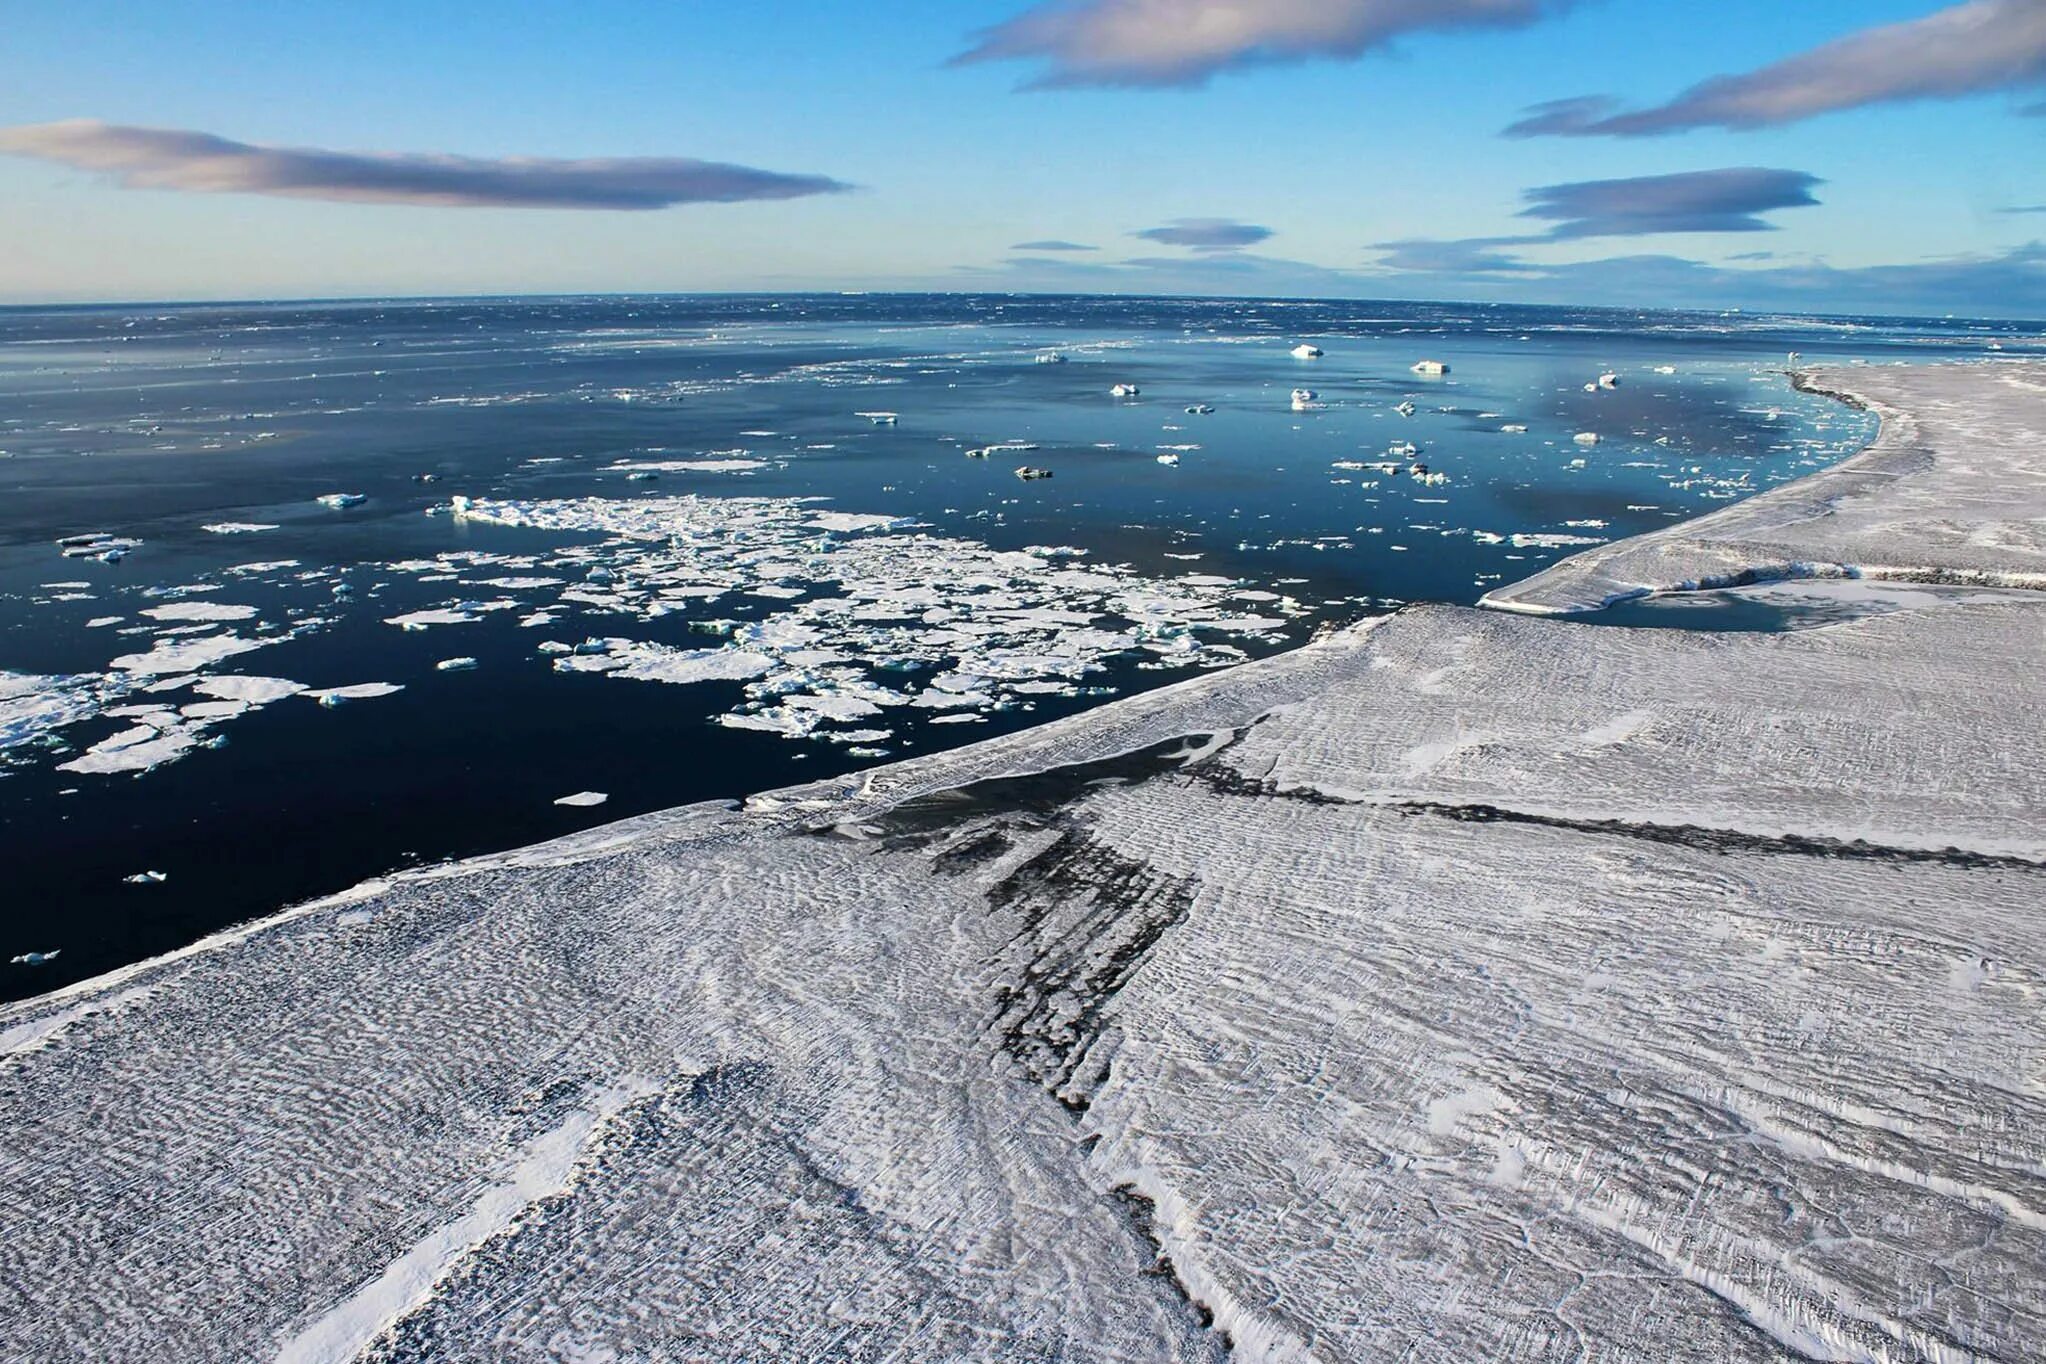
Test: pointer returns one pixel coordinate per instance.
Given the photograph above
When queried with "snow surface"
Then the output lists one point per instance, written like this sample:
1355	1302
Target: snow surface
1952	491
1465	986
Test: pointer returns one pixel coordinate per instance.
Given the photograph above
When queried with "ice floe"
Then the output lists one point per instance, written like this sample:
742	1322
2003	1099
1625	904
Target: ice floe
876	611
359	691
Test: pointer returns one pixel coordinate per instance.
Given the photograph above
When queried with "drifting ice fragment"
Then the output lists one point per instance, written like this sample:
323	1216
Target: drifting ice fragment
1051	357
1609	380
455	665
36	958
235	528
147	878
1405	409
1586	438
1169	459
1305	352
1125	391
1028	472
1199	410
1430	367
361	691
340	500
584	799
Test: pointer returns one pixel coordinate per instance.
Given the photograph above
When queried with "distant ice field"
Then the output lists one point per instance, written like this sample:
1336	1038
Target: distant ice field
294	595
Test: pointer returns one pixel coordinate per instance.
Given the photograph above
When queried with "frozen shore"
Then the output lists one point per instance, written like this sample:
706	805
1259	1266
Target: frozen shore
1952	492
1465	986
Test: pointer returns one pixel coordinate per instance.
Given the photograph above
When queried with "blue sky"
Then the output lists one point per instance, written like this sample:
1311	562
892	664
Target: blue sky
867	158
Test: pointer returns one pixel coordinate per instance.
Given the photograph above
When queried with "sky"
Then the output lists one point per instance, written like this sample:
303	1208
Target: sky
1873	156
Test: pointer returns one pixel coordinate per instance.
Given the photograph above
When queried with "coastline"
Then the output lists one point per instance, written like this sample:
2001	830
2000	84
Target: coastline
1373	994
1940	497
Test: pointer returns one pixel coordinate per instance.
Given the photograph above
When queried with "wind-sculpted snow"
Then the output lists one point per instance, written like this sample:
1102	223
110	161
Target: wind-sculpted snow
1431	993
1953	491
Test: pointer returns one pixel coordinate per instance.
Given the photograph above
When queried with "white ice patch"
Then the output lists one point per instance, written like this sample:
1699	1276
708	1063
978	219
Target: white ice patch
692	466
236	527
642	662
875	613
254	691
186	654
584	799
421	620
32	705
360	691
198	610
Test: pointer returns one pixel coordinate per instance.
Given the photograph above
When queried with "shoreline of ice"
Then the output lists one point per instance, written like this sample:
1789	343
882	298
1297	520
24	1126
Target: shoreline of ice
1949	493
1462	985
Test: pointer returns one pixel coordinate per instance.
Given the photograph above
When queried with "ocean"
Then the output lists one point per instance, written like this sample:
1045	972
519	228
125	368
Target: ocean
294	595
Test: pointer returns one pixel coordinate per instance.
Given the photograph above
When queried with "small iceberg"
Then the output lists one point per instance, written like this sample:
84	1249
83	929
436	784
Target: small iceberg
1402	449
1027	472
1405	409
583	800
977	453
455	665
1430	367
36	958
1665	369
1306	352
1200	410
1586	438
878	418
1514	429
1170	459
1609	380
1051	357
1125	391
147	878
1303	396
339	501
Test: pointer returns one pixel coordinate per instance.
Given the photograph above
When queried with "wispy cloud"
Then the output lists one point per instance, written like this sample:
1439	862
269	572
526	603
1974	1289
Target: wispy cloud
1458	256
1053	244
1728	200
1966	49
171	159
1207	234
1184	42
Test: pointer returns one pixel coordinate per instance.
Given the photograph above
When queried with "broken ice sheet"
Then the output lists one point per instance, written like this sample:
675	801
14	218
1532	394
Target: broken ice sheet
866	606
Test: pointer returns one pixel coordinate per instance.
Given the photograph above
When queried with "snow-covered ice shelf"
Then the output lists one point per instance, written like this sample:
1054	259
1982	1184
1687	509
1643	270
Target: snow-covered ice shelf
1952	491
1463	986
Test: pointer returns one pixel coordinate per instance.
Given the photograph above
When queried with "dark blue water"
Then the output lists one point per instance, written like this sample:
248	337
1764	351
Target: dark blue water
151	424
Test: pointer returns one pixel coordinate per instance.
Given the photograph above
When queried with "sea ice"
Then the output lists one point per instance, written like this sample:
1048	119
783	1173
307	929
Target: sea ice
584	799
360	691
186	654
199	611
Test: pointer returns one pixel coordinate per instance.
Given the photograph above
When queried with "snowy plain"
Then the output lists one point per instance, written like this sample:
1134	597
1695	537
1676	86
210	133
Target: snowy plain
1466	985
